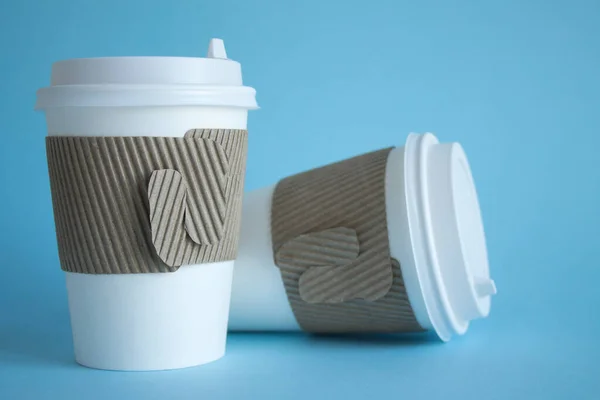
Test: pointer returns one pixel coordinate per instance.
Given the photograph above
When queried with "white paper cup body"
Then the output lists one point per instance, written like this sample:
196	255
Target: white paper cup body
152	321
418	229
148	321
259	301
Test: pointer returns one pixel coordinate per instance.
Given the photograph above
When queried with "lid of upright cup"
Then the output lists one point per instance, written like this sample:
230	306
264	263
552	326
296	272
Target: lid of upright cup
148	81
447	234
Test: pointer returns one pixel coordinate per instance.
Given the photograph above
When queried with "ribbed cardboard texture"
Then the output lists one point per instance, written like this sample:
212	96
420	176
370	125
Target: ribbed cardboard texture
100	195
332	256
330	285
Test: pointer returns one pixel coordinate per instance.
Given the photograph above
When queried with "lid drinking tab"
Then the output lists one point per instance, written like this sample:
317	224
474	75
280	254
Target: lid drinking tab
216	49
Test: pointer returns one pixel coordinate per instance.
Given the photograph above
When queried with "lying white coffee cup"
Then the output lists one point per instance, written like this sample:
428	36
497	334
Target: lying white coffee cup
435	231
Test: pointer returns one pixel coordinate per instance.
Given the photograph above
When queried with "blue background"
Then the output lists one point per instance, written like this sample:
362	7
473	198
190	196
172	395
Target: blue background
516	82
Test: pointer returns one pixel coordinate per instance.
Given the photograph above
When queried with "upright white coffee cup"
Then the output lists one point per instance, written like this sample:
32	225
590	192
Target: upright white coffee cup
162	320
435	231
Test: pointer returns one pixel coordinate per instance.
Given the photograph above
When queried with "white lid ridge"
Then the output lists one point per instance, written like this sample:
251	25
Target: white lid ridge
444	215
149	81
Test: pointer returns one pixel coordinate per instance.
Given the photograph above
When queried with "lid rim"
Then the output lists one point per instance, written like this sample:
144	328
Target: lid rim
483	306
455	325
145	95
430	192
418	236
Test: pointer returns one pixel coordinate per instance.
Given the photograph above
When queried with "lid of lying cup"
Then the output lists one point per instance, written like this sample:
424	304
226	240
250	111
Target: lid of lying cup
148	81
447	234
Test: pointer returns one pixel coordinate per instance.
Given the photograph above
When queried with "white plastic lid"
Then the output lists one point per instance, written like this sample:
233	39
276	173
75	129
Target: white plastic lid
148	81
447	234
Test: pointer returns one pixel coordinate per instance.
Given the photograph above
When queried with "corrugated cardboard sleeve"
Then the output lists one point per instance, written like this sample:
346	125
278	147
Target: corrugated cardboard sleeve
101	200
330	241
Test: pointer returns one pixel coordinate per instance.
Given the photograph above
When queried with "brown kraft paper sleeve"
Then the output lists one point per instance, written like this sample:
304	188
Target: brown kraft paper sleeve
330	242
147	204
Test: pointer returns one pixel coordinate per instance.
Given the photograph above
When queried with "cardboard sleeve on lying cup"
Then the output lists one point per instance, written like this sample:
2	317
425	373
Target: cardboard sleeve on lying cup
388	241
116	212
360	293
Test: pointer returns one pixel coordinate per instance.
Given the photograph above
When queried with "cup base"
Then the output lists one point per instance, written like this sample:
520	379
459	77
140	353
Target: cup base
145	322
208	358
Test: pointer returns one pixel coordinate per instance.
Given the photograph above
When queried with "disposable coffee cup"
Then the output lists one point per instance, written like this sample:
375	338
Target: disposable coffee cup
435	232
148	321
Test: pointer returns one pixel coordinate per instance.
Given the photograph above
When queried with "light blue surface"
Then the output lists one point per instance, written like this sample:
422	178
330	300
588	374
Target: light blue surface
516	82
